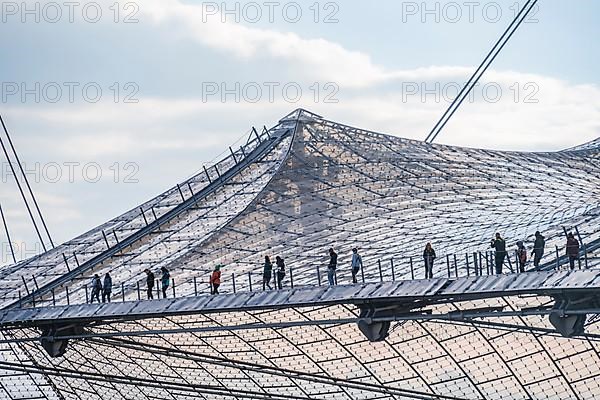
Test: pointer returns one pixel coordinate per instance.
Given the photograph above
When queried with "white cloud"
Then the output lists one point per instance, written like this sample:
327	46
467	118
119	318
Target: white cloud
551	114
314	58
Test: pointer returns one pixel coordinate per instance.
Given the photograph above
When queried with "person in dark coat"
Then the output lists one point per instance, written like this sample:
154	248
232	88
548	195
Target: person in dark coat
500	245
428	257
267	273
96	288
165	280
572	250
215	280
149	283
521	255
106	288
280	271
538	249
332	267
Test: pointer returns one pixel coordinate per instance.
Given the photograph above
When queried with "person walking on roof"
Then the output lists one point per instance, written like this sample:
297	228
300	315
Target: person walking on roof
500	245
280	271
521	255
356	264
538	249
572	249
215	280
149	283
429	258
96	288
332	267
165	279
106	288
267	273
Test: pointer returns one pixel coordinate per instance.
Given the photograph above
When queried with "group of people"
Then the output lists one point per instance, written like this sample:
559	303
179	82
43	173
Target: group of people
429	256
500	254
165	281
275	273
105	286
99	286
268	273
356	264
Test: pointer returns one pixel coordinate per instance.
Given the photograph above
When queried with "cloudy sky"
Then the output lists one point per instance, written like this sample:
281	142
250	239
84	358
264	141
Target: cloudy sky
110	103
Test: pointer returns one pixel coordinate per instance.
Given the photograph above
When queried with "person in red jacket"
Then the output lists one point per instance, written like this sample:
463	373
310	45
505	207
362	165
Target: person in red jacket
572	249
215	280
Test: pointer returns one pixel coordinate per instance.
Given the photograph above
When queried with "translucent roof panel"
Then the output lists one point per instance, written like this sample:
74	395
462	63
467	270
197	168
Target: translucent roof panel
303	186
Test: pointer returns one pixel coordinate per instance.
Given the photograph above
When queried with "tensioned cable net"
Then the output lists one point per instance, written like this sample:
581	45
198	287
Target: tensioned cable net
303	186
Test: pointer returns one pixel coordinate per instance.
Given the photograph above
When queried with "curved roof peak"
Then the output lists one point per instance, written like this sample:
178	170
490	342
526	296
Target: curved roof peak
300	114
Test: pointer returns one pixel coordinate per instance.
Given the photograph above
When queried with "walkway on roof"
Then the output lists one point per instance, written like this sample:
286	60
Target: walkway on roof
410	295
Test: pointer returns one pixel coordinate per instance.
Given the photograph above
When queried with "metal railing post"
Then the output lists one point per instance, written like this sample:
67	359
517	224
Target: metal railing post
173	282
489	266
393	272
487	263
67	292
53	299
475	264
380	272
144	216
584	249
585	257
362	272
105	239
25	285
448	264
455	266
412	269
291	278
181	192
467	263
510	263
233	282
250	280
557	258
318	275
66	262
123	292
195	287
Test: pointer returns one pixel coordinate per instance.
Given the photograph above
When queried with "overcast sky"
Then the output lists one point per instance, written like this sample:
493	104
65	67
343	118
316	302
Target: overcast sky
111	103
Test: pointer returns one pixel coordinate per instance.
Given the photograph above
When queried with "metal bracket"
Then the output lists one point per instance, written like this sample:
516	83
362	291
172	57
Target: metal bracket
58	348
377	331
569	314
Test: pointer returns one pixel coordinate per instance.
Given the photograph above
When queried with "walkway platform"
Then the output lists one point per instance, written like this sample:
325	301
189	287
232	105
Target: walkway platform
412	293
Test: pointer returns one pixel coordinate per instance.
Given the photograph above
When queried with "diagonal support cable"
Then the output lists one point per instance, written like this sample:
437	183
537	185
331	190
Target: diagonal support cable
12	250
491	56
10	142
12	167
